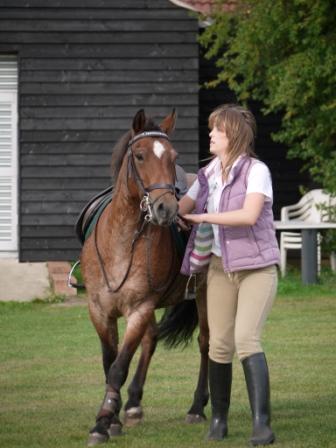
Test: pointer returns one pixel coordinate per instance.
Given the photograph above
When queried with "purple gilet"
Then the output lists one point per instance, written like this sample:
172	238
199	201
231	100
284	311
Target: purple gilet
242	247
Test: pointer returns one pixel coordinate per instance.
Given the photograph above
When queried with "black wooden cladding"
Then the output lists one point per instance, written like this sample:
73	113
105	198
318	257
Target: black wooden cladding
85	68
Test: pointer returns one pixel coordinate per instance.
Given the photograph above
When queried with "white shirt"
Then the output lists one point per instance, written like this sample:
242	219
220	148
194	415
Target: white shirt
258	181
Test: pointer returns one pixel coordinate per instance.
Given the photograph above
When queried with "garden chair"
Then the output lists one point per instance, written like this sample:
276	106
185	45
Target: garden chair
307	209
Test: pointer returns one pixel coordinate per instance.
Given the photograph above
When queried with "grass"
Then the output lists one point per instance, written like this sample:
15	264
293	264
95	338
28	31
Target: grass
51	381
291	285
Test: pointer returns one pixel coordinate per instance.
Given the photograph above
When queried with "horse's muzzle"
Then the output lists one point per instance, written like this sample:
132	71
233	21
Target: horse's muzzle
165	212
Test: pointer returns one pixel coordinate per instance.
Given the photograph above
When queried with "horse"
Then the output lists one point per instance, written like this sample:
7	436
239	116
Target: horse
130	266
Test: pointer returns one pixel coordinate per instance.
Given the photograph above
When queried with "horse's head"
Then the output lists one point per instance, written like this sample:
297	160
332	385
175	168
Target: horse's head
151	168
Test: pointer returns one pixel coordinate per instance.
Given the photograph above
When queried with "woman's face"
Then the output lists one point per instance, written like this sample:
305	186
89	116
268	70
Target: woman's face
219	143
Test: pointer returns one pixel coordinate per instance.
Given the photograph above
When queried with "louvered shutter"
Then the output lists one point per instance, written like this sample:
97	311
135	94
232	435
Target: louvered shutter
8	155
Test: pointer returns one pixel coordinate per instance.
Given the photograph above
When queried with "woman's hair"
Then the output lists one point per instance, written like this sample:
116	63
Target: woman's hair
240	127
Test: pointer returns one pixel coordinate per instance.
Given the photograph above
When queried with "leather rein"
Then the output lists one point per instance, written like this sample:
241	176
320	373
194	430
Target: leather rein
145	216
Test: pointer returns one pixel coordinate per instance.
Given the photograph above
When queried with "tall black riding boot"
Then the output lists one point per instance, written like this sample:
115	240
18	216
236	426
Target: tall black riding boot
220	379
257	382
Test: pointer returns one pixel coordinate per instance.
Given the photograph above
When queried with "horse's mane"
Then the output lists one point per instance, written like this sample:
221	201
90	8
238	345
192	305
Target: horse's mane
120	148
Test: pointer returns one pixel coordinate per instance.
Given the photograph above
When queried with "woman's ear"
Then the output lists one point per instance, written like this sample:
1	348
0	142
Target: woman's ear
168	124
139	121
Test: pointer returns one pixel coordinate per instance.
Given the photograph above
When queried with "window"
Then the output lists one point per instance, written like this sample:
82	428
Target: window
8	157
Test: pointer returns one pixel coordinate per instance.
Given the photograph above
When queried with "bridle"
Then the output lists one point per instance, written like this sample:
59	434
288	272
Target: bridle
146	216
146	203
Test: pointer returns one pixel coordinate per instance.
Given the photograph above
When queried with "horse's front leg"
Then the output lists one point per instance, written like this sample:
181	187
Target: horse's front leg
133	409
107	330
201	395
137	322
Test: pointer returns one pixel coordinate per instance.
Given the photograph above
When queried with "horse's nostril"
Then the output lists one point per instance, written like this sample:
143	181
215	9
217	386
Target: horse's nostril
161	210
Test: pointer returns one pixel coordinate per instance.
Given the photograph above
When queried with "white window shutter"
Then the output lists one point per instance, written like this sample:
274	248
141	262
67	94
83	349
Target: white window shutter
8	156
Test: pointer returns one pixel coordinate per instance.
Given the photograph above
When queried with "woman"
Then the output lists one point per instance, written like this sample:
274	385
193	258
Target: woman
234	238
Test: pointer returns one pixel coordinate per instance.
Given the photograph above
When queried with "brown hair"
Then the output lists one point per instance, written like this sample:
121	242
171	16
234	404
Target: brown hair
240	127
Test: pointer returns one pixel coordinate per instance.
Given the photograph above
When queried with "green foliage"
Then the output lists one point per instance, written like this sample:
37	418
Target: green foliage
283	53
328	212
329	241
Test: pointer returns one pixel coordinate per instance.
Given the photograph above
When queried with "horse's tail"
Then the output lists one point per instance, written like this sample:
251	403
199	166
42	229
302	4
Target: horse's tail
178	323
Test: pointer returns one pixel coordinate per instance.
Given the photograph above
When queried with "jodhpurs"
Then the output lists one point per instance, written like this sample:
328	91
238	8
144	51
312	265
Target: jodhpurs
238	305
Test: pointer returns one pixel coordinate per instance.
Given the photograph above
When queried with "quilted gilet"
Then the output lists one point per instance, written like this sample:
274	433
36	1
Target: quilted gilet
242	247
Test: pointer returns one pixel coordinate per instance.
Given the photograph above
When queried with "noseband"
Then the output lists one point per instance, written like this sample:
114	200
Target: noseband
146	204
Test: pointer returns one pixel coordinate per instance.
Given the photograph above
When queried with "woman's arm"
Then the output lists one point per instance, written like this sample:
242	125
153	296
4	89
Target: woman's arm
186	205
246	216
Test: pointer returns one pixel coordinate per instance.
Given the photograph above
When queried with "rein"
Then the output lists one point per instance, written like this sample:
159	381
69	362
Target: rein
145	217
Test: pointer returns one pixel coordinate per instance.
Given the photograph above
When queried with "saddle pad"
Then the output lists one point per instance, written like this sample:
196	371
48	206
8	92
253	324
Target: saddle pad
90	214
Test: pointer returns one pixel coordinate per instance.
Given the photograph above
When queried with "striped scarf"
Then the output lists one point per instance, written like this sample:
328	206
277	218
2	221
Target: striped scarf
202	250
201	253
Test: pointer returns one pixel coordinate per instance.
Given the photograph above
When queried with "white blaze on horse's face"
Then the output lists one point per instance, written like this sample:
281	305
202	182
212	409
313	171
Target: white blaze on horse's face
158	149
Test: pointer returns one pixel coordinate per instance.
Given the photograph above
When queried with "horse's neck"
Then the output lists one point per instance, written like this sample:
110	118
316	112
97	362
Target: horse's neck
124	211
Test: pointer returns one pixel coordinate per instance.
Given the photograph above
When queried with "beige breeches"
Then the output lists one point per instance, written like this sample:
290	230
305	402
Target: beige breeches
238	305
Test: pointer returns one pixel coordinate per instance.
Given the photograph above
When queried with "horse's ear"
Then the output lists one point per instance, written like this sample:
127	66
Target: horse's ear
168	124
139	121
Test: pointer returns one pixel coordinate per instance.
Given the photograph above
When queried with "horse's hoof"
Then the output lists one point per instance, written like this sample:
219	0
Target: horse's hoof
195	418
115	429
133	416
97	438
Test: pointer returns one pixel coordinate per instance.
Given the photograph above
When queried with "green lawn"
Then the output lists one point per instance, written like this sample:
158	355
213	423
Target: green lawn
51	380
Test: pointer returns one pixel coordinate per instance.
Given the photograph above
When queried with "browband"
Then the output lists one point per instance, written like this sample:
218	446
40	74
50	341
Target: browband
147	134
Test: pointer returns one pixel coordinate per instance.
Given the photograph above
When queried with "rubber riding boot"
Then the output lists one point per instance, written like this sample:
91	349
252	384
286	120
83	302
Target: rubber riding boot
220	379
257	382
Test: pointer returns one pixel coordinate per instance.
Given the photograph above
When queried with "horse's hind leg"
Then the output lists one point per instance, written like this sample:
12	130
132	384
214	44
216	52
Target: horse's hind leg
201	395
133	409
137	323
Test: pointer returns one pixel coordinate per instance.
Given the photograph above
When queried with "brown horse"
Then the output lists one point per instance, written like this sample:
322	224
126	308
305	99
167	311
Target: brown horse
130	267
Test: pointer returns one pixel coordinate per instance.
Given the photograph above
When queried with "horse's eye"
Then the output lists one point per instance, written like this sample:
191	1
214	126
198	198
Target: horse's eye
139	157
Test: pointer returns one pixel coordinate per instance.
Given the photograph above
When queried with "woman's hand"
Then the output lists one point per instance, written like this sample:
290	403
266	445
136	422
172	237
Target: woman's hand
195	218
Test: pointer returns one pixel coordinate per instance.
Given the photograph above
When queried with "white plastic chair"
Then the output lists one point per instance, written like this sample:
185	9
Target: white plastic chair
307	209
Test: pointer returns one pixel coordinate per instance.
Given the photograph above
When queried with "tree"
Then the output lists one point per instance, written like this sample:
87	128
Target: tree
283	53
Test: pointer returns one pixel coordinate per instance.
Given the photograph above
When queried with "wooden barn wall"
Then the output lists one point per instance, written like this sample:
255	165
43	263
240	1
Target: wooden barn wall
286	174
85	68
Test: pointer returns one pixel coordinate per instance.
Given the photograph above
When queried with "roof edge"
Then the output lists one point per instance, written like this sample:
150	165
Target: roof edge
205	7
